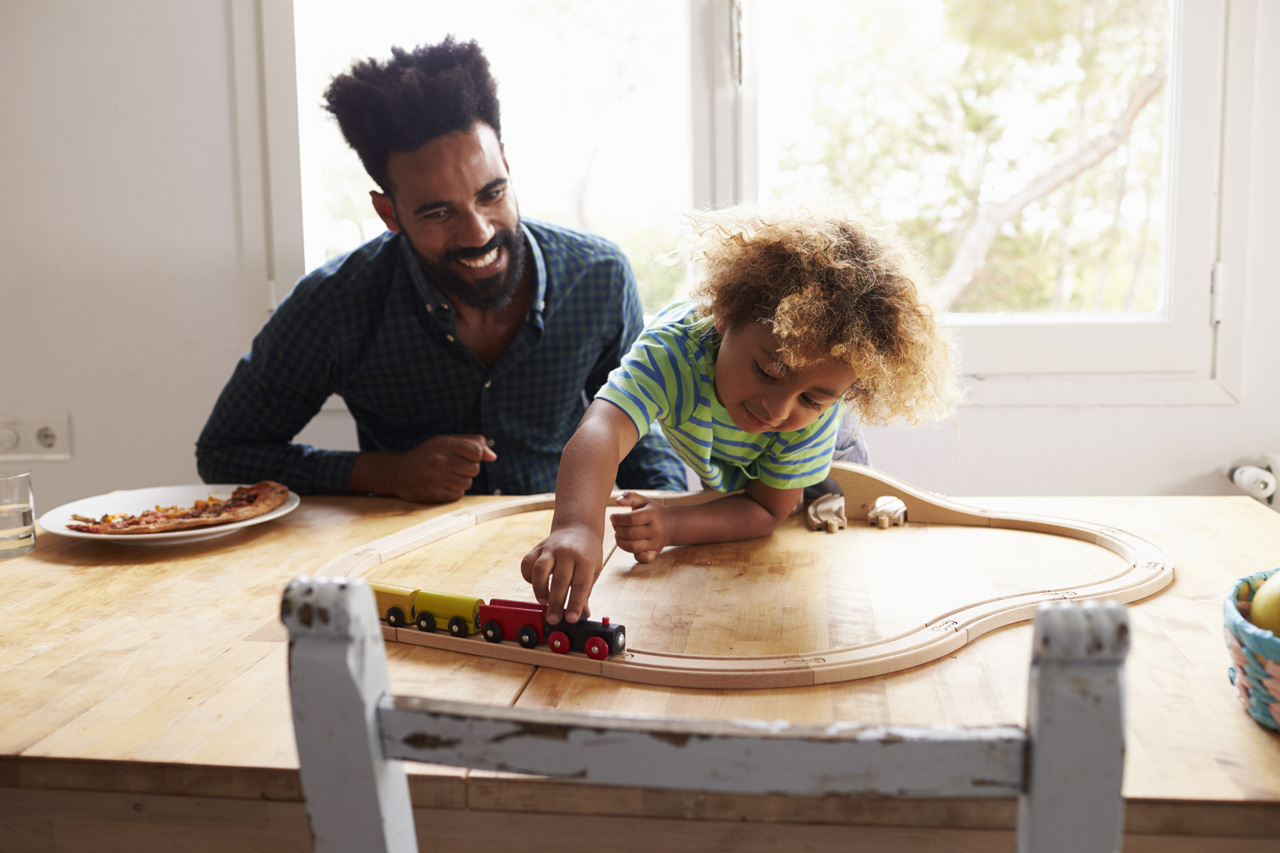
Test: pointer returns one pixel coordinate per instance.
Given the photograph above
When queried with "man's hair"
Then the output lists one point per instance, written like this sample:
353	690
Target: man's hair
414	97
828	288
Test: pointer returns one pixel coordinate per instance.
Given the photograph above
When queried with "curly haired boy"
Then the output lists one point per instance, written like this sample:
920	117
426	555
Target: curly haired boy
794	314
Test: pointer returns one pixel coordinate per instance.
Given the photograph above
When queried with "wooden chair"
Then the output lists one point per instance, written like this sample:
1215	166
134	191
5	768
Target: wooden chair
1065	767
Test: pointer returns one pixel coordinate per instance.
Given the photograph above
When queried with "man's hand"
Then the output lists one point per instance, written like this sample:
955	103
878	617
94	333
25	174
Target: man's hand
645	530
565	565
437	471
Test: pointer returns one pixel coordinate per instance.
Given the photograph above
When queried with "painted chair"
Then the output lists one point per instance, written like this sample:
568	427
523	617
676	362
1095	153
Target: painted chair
1065	766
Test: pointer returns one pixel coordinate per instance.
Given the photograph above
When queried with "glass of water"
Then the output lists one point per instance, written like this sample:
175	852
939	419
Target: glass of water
17	513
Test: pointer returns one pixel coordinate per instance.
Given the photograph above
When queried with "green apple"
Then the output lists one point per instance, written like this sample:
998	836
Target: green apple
1265	612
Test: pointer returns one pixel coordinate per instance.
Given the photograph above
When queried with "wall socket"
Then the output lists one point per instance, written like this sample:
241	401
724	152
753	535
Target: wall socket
35	438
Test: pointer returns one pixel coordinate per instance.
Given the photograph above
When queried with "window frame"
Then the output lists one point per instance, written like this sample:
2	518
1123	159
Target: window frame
1191	357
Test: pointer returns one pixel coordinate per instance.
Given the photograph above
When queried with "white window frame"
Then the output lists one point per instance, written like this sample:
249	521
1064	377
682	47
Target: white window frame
1192	356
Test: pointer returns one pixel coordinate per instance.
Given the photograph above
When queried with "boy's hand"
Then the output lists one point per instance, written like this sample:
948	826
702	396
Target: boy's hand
644	530
564	565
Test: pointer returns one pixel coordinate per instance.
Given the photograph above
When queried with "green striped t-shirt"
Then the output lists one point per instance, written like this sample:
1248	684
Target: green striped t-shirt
669	376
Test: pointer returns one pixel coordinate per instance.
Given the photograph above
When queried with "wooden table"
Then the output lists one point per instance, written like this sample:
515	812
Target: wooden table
143	699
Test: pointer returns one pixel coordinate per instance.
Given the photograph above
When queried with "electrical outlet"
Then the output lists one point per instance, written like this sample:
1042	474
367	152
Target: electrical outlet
35	438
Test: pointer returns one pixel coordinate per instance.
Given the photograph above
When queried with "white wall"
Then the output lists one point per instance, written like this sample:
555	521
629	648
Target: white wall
125	295
121	292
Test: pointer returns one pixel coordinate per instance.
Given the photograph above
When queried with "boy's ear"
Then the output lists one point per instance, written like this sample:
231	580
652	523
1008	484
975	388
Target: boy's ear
721	326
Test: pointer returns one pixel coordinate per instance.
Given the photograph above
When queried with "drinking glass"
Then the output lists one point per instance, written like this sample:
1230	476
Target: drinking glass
17	513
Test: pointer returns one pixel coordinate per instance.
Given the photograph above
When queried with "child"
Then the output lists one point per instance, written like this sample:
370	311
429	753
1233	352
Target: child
793	314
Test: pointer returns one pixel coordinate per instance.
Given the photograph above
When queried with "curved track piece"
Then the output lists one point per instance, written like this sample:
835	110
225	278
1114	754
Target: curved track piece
1149	570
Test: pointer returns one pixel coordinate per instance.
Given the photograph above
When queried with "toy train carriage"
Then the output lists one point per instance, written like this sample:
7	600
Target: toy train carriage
503	619
400	605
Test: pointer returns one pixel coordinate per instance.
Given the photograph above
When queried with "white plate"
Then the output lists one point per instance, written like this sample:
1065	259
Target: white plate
138	500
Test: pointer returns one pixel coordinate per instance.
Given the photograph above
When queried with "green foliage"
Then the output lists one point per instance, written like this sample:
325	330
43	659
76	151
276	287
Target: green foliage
929	133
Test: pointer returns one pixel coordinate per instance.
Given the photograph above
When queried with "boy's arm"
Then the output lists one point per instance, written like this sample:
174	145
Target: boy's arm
565	564
756	511
650	527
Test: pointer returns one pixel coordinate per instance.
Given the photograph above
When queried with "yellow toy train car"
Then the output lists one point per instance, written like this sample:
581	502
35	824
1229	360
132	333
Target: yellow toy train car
400	605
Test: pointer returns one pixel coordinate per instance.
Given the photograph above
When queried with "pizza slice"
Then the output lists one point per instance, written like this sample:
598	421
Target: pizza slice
245	502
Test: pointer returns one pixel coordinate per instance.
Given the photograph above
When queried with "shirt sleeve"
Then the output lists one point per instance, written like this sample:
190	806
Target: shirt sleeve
275	390
651	464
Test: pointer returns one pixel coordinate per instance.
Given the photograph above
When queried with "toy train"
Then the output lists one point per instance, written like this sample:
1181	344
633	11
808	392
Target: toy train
500	619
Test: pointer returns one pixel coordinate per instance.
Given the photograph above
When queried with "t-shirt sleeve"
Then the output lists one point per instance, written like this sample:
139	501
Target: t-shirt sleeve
649	383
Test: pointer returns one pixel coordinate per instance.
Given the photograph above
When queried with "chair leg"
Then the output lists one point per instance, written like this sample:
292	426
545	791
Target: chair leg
356	799
1075	726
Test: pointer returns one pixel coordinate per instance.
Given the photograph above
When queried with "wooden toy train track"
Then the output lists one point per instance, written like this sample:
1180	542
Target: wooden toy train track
1148	570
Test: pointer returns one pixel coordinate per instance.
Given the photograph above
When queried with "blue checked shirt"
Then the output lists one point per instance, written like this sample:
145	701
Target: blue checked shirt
370	327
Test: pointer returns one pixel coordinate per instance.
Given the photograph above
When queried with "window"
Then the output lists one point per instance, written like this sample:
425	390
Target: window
1057	162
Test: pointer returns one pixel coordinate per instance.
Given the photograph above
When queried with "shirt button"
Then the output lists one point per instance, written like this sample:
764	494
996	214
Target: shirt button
428	307
490	442
497	491
449	338
488	383
444	306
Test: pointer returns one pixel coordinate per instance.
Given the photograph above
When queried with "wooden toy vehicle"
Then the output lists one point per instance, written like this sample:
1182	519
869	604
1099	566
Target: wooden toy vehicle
502	618
395	603
597	639
400	605
460	614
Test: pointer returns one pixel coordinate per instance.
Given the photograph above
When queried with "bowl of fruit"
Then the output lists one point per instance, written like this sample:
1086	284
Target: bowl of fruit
1253	642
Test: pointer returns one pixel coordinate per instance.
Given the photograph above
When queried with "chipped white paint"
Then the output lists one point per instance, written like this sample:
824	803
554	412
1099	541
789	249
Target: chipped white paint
1075	721
1064	768
710	756
356	798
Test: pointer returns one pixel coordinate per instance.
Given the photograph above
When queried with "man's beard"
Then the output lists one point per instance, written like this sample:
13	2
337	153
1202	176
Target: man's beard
487	294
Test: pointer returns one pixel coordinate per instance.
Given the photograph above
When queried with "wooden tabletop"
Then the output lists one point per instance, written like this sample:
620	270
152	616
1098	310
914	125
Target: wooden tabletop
148	681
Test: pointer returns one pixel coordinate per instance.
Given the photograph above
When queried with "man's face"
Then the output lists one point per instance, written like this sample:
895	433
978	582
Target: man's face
761	394
452	199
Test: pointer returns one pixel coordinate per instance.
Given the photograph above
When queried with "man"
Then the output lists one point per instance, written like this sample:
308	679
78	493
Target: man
465	341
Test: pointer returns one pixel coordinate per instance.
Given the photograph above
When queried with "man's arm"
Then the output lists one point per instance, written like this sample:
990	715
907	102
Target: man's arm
249	435
249	438
437	471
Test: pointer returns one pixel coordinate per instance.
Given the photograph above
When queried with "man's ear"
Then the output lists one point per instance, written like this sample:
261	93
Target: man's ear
386	210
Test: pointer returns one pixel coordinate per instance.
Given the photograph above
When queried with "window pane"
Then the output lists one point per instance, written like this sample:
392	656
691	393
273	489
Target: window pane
595	116
1020	145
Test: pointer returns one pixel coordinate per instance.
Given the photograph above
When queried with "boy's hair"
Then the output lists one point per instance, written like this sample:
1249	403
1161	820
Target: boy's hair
414	97
827	288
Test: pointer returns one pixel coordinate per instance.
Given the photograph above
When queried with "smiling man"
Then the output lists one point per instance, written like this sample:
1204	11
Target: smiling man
465	340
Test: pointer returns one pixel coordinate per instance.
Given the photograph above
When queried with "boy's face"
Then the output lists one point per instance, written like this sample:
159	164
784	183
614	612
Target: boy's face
761	394
452	199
